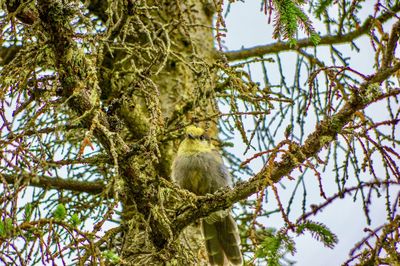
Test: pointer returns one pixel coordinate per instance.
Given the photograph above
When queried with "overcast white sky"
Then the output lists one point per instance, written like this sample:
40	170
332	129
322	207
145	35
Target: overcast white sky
248	27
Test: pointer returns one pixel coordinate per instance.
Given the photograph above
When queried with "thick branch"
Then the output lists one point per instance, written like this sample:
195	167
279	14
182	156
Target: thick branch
273	48
324	134
47	182
76	85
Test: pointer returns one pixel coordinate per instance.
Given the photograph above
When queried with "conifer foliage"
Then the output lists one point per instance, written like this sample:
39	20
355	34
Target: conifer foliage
95	97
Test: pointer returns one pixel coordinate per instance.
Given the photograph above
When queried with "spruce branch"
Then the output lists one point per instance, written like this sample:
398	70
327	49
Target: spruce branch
277	47
325	132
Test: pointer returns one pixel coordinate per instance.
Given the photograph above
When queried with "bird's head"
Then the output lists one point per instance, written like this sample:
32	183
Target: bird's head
196	141
193	132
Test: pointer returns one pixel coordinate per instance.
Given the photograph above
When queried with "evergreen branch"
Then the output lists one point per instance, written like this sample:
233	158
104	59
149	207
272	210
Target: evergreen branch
318	208
47	182
319	231
289	16
277	47
326	131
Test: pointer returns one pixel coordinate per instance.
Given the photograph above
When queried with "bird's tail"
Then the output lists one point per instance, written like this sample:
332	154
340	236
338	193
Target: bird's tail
222	241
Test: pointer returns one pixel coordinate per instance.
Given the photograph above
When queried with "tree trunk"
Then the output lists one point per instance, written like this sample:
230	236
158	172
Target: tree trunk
182	60
161	76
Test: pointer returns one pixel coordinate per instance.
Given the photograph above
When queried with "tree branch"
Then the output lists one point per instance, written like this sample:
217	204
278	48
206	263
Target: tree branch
273	48
80	92
91	187
325	132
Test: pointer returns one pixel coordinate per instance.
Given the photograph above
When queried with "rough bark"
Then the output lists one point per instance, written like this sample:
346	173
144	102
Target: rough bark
164	85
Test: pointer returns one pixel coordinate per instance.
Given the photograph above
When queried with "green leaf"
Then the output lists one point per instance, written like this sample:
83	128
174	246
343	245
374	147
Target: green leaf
274	247
320	232
2	229
60	212
6	227
315	38
292	42
322	7
111	256
28	212
75	221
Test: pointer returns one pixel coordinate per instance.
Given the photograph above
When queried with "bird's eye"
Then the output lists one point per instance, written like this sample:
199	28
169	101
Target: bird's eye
203	137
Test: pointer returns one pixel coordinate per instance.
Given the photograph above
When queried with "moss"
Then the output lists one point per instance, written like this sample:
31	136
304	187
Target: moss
325	140
336	125
372	92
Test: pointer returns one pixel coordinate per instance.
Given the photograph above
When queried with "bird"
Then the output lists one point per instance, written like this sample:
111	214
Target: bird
199	168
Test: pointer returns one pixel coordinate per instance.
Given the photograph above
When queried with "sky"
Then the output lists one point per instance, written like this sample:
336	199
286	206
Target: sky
247	26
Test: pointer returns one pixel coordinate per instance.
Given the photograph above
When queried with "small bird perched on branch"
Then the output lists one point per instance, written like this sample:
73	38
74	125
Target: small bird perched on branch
199	168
